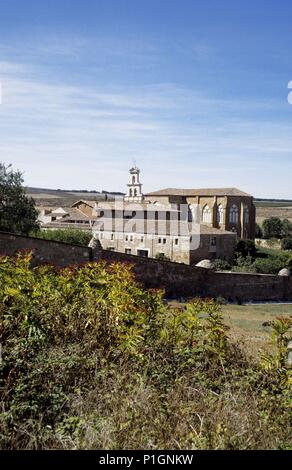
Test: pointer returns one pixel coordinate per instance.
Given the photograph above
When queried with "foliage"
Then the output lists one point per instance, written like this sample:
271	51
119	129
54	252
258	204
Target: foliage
276	228
221	265
17	212
286	228
243	264
268	265
246	248
90	360
69	235
258	231
286	243
162	256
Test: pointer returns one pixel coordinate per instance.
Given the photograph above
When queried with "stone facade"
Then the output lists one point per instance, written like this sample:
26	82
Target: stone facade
224	208
202	218
208	222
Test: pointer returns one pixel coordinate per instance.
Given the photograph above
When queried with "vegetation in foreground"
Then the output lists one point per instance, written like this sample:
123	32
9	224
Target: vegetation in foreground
90	360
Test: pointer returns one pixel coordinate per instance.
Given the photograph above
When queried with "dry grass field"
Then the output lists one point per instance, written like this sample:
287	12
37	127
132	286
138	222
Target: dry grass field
246	323
263	213
59	198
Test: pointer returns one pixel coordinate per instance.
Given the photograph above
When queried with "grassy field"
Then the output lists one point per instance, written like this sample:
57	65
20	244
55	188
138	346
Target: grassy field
265	212
246	323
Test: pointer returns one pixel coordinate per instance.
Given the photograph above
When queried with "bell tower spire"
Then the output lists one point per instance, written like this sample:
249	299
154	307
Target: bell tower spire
134	192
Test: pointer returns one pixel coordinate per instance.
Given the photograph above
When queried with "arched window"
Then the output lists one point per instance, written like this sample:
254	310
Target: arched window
233	214
207	215
131	192
246	215
133	179
220	214
135	192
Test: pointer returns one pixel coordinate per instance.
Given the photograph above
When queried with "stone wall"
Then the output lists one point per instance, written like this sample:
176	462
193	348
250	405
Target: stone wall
44	251
183	280
178	280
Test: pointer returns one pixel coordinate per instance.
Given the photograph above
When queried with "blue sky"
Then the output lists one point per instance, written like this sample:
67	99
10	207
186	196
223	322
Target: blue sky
194	91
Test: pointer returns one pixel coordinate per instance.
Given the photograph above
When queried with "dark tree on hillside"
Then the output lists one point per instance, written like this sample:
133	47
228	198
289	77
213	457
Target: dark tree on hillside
17	212
258	231
286	228
273	228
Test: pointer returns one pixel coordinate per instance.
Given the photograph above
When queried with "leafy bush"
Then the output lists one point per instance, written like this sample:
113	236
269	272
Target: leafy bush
268	265
68	235
243	264
246	248
276	228
272	227
90	360
286	243
286	228
221	265
258	231
162	256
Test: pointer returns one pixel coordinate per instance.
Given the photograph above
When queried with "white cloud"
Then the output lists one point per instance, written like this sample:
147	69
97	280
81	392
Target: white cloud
79	136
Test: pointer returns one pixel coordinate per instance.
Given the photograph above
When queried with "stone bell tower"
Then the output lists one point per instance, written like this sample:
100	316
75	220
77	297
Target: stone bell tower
134	193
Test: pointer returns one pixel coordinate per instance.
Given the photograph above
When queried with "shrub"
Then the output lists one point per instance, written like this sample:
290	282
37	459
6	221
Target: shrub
286	228
246	248
258	231
268	265
286	243
162	256
68	235
90	360
221	265
277	228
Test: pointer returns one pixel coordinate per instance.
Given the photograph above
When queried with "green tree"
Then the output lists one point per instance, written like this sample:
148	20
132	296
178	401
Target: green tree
286	243
17	212
246	248
273	228
286	228
258	231
68	235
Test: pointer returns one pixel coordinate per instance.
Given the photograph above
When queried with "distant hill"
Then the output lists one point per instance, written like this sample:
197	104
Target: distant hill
259	202
65	198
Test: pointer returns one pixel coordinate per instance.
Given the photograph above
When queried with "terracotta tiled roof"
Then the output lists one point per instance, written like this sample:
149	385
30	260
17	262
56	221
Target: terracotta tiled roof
199	192
85	201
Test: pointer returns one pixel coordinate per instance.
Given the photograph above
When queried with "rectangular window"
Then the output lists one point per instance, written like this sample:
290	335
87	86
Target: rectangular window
128	251
142	239
126	238
164	241
131	238
159	240
213	241
111	248
143	253
176	241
